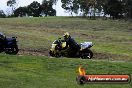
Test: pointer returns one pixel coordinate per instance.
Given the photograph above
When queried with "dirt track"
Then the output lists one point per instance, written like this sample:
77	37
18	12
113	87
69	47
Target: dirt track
33	52
97	55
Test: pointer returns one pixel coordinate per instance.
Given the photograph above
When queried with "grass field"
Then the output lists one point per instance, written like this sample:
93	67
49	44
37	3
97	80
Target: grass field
31	68
112	39
43	72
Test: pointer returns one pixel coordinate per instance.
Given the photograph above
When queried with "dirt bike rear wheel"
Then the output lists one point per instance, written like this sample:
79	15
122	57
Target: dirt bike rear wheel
13	50
87	54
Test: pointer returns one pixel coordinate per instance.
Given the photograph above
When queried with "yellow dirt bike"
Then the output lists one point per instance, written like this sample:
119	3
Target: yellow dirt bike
58	50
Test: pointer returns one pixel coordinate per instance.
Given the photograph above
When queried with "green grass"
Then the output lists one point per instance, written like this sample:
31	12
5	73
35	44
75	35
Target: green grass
44	72
112	43
109	36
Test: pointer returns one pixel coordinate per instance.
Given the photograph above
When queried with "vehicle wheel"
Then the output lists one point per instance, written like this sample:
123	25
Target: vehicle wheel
54	55
12	51
1	48
51	53
88	54
57	55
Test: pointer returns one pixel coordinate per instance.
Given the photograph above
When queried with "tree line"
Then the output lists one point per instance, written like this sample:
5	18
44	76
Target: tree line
116	9
35	9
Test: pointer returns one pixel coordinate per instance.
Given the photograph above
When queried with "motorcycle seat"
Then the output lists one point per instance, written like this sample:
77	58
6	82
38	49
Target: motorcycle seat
9	39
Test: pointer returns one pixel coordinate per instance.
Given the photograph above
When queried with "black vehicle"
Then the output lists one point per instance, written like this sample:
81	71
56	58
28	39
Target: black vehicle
8	45
84	51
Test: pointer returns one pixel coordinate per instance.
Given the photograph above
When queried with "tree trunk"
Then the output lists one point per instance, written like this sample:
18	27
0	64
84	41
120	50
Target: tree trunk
94	11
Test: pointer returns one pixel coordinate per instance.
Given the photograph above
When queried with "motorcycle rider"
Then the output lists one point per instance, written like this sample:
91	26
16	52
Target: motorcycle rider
73	45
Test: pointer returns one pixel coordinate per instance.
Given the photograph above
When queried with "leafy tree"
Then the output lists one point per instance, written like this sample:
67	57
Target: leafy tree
91	7
104	6
47	8
71	6
114	8
2	14
101	6
128	8
11	3
34	9
21	11
84	6
54	1
52	12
